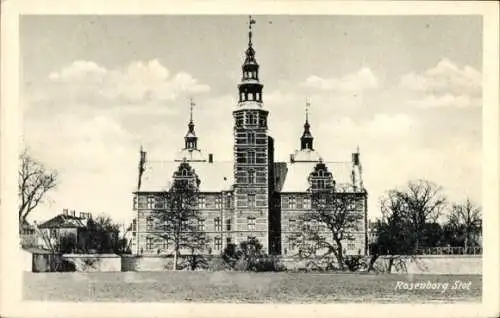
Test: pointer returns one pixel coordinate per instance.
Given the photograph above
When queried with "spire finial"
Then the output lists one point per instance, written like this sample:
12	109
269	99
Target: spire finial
250	22
191	105
308	104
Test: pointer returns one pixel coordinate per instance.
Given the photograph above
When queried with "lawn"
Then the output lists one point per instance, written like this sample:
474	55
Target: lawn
234	287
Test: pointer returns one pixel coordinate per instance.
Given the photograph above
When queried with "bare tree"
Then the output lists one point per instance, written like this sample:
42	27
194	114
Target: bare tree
333	219
466	221
407	215
34	183
180	222
421	203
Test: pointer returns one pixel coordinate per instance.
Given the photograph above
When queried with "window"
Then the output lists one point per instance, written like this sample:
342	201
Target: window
217	225
321	183
201	202
143	202
227	202
251	156
184	225
291	243
291	202
228	241
149	223
292	225
251	137
307	203
53	233
151	202
217	202
218	243
350	246
300	203
284	203
241	157
251	119
201	225
251	176
251	223
159	203
228	224
165	244
251	200
149	243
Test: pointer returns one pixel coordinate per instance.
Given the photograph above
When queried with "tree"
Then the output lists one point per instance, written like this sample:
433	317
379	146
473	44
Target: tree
101	236
34	181
332	220
464	224
248	256
422	202
408	222
180	223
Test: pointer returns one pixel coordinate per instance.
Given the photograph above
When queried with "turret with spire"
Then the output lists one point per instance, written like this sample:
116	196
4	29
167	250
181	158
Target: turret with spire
190	152
190	140
306	141
306	153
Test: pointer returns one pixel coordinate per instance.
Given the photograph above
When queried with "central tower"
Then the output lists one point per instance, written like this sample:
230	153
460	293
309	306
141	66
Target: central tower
253	155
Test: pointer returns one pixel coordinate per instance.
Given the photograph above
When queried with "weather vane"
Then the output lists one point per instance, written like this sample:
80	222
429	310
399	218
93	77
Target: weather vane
250	22
191	105
308	104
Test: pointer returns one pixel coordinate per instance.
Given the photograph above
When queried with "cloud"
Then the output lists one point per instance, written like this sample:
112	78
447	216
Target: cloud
445	85
137	82
362	80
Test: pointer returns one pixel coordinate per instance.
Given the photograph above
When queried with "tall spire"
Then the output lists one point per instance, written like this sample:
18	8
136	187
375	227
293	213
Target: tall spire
190	139
306	141
250	89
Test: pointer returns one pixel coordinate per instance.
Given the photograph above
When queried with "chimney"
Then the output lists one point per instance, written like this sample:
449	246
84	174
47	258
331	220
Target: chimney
210	158
292	158
72	212
65	211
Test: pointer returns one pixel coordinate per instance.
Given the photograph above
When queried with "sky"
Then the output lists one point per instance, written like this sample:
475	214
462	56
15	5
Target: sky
406	89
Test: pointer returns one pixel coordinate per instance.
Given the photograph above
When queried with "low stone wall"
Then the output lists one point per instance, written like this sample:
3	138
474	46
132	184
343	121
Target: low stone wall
146	263
437	264
94	262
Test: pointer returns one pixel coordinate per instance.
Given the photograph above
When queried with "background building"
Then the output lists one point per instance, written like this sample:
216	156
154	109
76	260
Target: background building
253	196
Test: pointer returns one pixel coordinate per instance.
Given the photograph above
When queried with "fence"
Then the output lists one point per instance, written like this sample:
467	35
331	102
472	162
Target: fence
450	251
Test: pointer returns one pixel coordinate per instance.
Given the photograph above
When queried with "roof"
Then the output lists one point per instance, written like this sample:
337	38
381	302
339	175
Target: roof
296	177
214	177
190	155
306	155
63	221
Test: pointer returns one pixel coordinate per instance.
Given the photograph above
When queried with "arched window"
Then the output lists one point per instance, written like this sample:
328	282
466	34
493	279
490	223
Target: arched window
184	172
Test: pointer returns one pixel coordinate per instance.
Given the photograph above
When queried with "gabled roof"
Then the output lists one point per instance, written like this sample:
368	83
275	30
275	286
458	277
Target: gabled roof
190	155
307	155
297	175
214	177
63	221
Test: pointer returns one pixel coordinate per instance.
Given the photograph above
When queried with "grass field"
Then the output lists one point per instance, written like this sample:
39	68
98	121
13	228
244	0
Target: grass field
234	287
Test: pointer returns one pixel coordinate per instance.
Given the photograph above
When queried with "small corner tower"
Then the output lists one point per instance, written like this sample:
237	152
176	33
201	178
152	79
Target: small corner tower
190	152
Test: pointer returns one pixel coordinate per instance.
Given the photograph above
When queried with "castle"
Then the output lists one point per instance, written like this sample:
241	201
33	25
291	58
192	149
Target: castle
253	196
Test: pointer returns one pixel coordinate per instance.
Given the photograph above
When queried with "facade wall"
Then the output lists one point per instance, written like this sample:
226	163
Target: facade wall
294	205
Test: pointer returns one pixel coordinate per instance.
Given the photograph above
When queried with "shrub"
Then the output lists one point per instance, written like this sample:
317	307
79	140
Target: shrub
353	262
